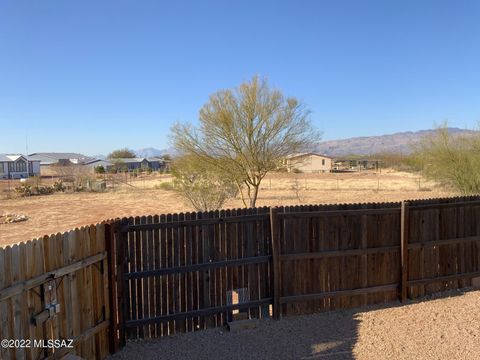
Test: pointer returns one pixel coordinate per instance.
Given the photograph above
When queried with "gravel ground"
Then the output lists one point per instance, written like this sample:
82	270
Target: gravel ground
440	328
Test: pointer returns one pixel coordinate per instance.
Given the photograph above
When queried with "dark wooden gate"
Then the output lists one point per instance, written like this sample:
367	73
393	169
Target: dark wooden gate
185	272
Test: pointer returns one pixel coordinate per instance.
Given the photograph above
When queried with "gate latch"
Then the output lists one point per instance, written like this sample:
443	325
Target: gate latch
51	306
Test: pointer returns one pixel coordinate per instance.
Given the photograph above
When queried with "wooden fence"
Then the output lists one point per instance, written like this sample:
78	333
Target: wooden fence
185	272
179	271
342	256
334	257
55	288
153	276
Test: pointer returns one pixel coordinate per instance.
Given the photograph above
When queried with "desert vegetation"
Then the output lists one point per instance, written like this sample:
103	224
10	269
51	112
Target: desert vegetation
243	135
453	161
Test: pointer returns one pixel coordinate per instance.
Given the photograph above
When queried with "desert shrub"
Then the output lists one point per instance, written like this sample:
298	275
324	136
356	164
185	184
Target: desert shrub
28	190
44	190
453	161
24	190
99	169
58	186
166	185
201	185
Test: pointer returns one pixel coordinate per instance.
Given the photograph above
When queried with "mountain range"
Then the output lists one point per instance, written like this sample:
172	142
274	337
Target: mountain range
401	142
151	152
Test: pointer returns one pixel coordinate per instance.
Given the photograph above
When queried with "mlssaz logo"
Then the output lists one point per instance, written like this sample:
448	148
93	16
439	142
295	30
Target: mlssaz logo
53	344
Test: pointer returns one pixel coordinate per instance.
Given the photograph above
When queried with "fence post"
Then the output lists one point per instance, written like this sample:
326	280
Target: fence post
113	340
121	245
206	251
404	220
275	236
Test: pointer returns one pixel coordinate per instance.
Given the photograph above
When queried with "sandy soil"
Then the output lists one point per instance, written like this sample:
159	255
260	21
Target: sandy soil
445	328
61	212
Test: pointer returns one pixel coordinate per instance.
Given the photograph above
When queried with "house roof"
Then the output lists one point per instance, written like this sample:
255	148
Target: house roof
98	162
292	156
14	157
128	160
52	158
157	158
59	155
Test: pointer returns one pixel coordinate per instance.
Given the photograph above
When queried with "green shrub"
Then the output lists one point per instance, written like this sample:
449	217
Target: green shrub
453	161
99	169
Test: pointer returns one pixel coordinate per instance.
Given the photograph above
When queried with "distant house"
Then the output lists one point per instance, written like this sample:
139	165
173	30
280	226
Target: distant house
60	158
129	164
18	166
158	163
357	164
93	164
308	163
50	162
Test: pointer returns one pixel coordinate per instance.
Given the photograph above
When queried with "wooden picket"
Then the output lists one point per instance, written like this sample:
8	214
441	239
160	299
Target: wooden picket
178	270
66	272
342	256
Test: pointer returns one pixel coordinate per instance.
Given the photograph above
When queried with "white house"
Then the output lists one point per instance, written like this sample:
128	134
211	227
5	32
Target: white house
52	163
60	158
308	163
18	166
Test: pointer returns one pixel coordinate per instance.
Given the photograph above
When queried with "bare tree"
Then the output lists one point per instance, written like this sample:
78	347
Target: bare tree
246	132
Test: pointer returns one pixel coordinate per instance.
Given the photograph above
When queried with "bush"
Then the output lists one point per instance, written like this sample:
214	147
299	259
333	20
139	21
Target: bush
44	190
58	186
201	185
28	190
99	169
454	161
24	190
167	186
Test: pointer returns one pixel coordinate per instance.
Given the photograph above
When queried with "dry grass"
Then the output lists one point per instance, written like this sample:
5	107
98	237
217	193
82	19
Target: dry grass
61	212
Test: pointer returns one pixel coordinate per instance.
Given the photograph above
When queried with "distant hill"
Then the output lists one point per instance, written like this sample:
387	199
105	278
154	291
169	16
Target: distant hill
401	142
143	153
369	145
151	152
99	156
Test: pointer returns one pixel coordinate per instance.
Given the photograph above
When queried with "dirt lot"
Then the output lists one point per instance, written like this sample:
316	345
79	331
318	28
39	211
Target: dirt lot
61	212
445	328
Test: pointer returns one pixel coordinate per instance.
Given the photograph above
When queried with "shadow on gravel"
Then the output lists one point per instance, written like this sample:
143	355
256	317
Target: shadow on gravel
329	335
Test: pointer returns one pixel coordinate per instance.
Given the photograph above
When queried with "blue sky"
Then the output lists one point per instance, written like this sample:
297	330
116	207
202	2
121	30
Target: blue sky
92	76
